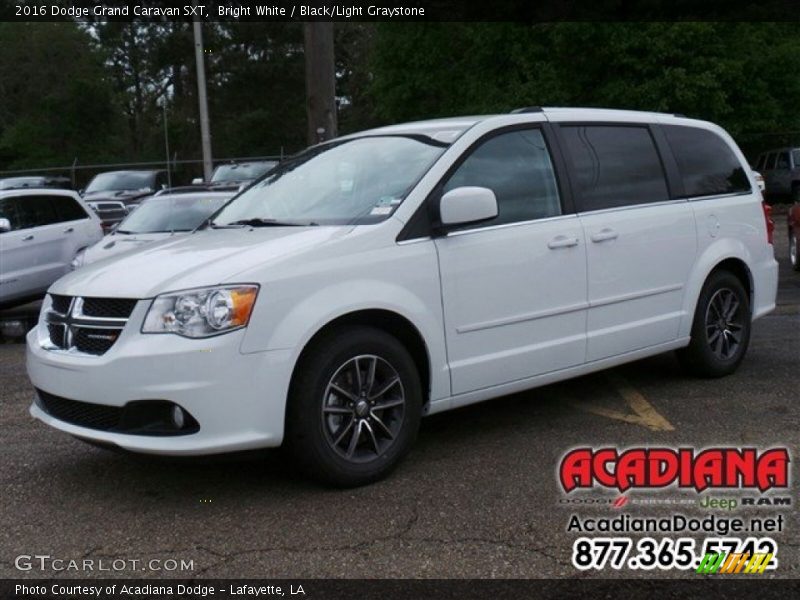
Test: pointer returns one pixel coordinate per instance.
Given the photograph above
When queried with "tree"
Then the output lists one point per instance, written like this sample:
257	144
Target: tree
740	75
56	102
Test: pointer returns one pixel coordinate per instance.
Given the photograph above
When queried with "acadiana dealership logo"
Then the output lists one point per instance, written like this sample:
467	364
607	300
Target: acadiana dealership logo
648	468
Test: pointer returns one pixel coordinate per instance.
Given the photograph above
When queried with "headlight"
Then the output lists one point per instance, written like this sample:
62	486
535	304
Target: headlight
79	259
201	312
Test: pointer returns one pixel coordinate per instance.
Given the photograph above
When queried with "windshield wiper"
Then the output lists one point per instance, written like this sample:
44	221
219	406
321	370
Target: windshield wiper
259	222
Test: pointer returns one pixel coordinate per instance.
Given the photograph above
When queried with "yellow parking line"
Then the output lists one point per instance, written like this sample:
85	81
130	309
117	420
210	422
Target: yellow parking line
644	413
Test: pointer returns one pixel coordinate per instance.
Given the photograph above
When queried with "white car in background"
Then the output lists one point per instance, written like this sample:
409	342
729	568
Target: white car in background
157	218
41	231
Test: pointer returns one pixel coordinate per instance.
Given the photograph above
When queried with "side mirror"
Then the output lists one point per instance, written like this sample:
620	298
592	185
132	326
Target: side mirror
80	192
197	181
5	225
467	205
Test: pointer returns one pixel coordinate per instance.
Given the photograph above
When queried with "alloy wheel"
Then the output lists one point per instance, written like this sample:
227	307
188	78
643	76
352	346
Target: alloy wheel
363	408
723	323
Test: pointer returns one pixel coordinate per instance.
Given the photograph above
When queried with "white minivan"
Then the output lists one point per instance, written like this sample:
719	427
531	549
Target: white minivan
408	270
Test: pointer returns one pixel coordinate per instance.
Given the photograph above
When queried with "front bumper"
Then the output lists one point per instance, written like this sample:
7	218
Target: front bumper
238	399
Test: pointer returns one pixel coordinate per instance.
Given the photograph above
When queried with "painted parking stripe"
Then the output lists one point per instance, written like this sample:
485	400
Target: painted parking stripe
643	414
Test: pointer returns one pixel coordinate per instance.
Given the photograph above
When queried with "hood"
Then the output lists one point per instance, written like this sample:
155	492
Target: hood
114	244
208	257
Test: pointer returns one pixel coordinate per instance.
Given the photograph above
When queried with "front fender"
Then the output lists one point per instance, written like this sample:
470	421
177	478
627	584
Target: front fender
298	308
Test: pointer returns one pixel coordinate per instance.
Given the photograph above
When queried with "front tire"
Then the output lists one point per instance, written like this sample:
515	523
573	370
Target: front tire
720	329
354	407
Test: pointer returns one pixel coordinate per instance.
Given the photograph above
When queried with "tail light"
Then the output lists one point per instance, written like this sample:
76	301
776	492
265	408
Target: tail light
770	224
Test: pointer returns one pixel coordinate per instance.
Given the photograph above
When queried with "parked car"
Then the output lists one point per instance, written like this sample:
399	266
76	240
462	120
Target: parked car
781	171
41	231
410	270
128	187
35	181
238	173
111	212
794	235
157	218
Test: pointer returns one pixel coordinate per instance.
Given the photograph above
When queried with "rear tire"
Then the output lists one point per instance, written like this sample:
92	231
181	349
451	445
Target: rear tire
354	407
720	329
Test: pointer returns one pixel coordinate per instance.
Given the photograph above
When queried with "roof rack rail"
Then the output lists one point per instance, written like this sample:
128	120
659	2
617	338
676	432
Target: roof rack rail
526	109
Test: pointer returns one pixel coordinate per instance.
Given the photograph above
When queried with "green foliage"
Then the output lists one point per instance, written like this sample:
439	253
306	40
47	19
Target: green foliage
96	91
741	75
55	100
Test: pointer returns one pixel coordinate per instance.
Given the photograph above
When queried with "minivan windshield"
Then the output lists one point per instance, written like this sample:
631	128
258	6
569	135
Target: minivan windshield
356	181
121	180
162	214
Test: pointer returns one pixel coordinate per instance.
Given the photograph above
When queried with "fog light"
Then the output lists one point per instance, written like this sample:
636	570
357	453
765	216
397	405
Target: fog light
177	417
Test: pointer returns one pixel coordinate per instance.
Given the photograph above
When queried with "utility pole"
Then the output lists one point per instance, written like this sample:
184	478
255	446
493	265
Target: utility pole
320	81
166	139
205	127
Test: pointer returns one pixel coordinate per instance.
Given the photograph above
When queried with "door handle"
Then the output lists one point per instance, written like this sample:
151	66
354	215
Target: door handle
562	241
604	235
69	230
27	238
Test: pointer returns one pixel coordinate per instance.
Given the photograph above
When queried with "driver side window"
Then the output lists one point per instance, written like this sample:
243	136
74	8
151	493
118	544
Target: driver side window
516	166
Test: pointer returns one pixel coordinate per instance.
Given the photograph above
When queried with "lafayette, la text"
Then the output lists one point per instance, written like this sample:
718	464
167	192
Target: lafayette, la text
77	590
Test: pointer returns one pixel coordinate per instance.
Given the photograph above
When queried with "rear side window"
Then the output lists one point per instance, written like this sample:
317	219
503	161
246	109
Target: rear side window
707	164
516	167
8	210
30	211
68	209
615	165
783	160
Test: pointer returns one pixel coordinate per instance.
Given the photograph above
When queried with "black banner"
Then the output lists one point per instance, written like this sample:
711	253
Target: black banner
738	586
400	10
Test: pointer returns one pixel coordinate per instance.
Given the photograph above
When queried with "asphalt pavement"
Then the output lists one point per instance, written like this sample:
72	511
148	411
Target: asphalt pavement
477	497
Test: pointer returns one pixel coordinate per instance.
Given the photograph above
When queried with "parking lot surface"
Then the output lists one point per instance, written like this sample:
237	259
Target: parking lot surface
477	497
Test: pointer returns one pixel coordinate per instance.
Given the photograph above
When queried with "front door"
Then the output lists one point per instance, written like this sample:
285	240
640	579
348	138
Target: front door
514	288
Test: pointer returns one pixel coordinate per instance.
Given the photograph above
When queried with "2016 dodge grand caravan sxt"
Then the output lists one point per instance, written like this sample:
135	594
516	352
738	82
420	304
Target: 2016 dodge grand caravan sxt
409	270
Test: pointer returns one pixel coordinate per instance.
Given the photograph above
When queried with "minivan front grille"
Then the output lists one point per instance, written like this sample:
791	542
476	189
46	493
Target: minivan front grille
113	308
94	341
86	325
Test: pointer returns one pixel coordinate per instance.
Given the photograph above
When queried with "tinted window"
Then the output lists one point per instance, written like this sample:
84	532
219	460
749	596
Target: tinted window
30	211
68	209
783	160
796	158
771	160
8	210
707	164
760	164
615	166
516	167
